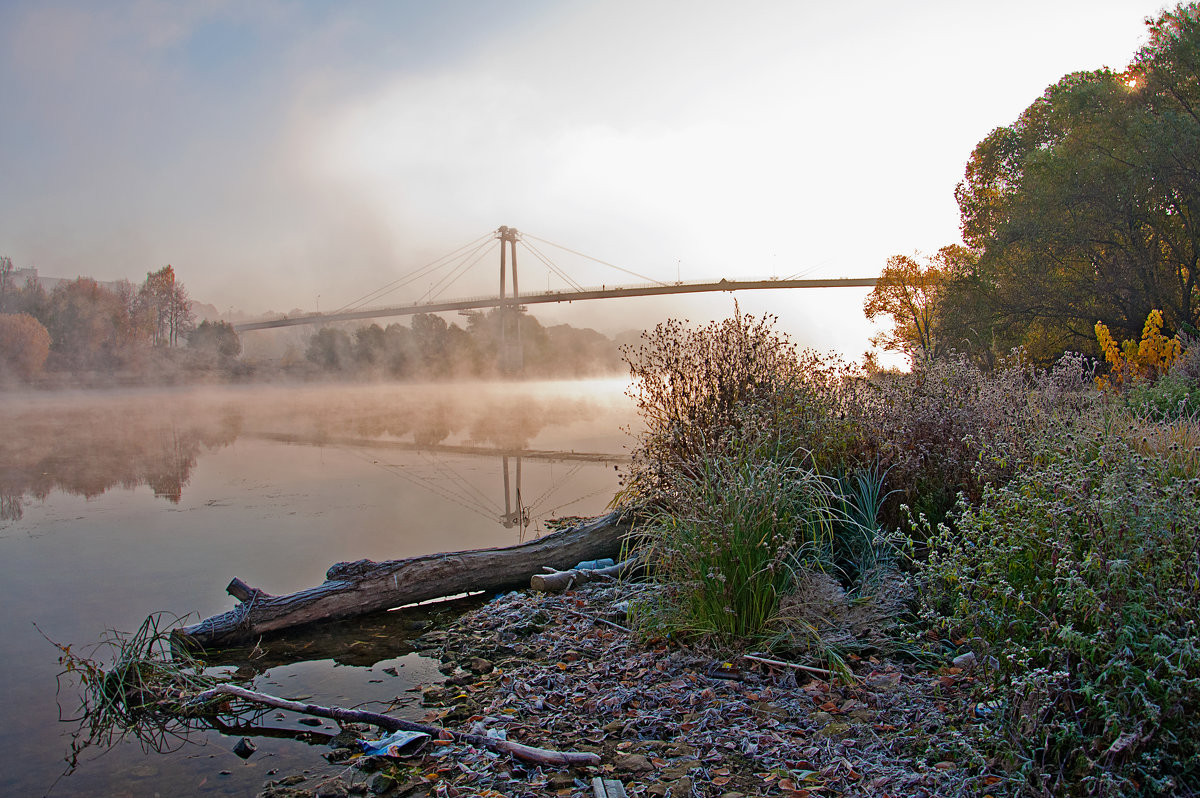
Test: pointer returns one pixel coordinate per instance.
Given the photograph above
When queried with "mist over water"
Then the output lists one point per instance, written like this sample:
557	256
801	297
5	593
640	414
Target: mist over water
114	505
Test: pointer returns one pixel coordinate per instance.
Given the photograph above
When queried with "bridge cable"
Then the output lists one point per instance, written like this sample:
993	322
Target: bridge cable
597	260
410	276
550	265
414	276
401	471
459	271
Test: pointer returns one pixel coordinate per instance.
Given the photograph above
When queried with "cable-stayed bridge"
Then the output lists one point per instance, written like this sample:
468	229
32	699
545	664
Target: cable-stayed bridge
453	266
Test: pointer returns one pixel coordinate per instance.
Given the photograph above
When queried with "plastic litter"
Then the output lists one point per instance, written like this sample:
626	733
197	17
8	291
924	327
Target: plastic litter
595	565
396	745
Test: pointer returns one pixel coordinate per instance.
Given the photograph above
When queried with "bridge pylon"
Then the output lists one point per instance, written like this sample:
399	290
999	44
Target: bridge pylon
511	353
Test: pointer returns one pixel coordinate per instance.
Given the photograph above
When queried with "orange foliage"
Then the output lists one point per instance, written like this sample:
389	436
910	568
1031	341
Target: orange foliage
24	345
1133	361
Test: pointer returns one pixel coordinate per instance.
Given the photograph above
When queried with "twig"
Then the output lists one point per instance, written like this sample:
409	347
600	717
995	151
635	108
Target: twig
528	753
598	620
781	664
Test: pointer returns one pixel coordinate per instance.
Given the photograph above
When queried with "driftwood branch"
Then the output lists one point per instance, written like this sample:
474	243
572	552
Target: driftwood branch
527	753
778	663
361	587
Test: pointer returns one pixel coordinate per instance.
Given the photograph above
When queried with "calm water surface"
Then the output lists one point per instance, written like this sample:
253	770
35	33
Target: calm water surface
117	505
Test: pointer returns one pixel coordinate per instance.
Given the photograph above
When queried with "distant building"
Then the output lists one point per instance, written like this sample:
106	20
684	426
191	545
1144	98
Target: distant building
22	276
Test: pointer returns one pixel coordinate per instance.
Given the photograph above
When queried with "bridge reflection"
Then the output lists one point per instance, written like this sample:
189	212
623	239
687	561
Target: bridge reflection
519	511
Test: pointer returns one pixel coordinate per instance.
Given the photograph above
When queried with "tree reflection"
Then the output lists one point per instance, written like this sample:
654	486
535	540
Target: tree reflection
90	449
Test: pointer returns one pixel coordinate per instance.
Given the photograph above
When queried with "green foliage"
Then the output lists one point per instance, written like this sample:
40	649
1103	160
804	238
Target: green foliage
1082	578
330	349
732	528
429	347
1085	207
1170	397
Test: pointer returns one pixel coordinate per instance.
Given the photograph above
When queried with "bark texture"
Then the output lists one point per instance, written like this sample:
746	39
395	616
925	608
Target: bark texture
363	586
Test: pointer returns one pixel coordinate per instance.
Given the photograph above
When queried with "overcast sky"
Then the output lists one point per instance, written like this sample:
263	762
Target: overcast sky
293	154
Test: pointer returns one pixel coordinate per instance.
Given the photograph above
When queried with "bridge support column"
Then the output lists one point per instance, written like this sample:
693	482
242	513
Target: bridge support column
512	354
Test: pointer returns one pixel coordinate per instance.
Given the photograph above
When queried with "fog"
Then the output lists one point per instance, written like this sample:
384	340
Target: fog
87	443
296	155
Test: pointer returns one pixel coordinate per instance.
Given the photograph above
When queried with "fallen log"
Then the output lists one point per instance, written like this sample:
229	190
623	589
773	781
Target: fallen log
364	586
527	753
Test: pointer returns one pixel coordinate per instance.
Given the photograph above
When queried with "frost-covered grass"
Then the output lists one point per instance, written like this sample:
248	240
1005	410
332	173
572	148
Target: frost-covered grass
1057	531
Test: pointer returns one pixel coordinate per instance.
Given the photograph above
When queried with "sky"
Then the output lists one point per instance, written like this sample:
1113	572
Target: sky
284	155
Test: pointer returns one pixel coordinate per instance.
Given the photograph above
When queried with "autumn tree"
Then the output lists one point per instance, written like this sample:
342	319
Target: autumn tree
1088	206
89	325
164	304
909	292
24	345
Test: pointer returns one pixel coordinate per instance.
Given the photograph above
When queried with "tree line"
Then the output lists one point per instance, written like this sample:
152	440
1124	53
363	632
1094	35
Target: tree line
1085	210
84	328
487	346
86	332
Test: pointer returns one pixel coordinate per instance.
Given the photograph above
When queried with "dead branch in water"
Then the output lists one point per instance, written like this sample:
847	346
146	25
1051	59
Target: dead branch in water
527	753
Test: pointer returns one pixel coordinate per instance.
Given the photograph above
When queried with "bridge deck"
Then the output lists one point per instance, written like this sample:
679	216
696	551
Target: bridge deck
617	292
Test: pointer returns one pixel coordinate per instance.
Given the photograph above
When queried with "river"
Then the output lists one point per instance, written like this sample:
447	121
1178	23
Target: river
116	505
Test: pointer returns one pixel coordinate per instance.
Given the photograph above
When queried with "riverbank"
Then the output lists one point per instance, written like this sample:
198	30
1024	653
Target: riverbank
562	672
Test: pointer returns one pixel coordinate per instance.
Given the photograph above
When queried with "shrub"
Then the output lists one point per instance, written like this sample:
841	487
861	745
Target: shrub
1136	361
1082	578
698	389
1170	397
950	427
24	345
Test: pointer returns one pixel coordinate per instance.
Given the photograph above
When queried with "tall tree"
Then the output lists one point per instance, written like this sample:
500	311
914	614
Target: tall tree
910	292
166	306
89	325
1086	208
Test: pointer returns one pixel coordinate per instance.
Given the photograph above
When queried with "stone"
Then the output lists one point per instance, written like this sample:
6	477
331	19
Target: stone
883	682
765	709
681	788
480	665
432	694
965	661
835	730
560	781
339	755
380	783
632	763
678	770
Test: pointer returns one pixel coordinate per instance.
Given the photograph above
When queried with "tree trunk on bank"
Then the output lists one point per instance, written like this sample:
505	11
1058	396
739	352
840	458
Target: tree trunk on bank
364	586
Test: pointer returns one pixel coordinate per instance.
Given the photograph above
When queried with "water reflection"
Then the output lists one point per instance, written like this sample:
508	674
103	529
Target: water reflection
86	445
87	450
271	485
